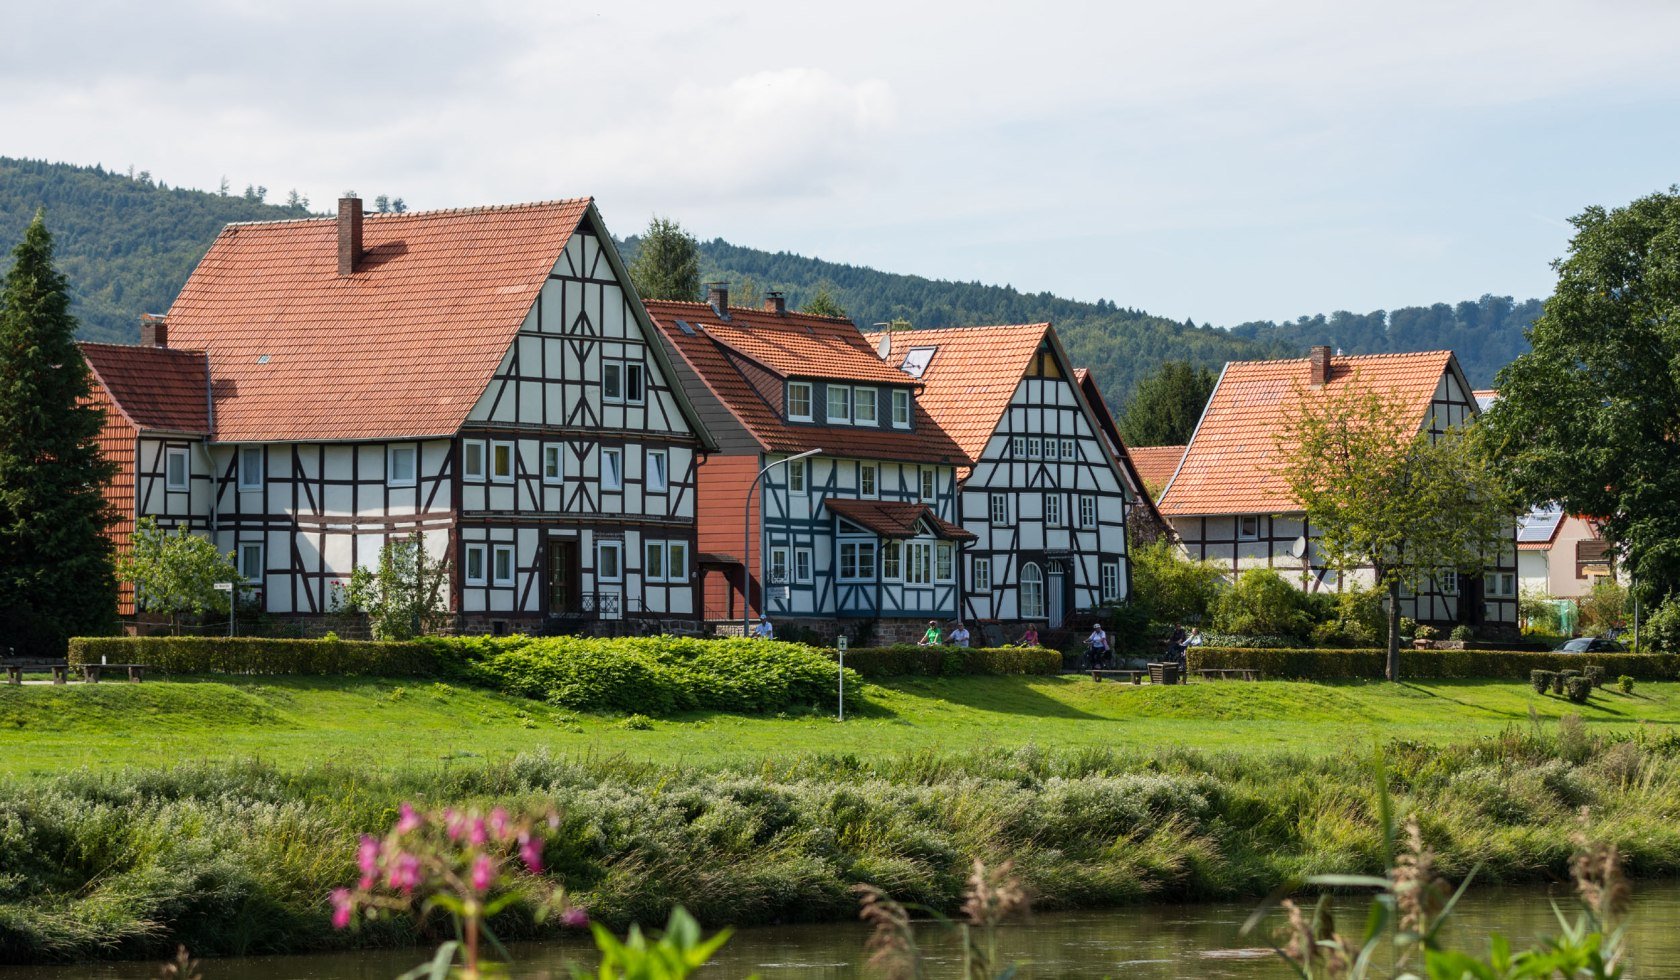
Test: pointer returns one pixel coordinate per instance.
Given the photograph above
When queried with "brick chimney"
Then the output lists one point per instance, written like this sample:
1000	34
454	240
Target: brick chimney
349	234
154	330
1319	357
775	302
717	294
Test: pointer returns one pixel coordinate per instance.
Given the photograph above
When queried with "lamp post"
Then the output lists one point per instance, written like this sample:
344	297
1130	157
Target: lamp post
746	540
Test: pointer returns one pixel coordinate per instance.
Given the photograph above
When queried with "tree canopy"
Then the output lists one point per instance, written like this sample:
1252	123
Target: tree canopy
667	265
1589	418
1167	405
176	572
56	574
1385	495
823	303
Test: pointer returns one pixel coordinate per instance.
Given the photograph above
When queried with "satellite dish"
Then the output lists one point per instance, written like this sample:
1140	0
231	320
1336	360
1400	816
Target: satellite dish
883	350
1299	548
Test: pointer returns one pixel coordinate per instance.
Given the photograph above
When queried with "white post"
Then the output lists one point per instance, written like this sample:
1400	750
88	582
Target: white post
840	645
233	600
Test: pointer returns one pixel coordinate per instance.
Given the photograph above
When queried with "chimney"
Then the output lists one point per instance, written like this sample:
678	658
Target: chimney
717	294
349	234
1320	359
775	302
154	330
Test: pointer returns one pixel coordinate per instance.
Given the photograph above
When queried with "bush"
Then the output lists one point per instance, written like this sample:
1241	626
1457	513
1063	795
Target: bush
1262	603
1660	632
1423	632
1594	673
1578	689
1171	587
1319	664
1408	627
1625	682
1541	680
256	655
1604	608
1462	632
909	660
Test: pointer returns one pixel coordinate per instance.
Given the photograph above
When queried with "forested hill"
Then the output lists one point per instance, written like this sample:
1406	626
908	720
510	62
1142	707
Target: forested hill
128	243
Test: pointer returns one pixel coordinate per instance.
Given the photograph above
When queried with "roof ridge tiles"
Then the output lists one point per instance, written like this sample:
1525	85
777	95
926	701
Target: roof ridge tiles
1346	357
384	215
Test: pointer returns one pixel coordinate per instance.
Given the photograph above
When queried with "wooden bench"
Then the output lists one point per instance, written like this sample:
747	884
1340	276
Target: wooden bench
91	672
1135	676
15	669
1226	673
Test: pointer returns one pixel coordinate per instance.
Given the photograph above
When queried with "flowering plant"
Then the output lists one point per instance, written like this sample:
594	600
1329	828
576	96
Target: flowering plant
471	865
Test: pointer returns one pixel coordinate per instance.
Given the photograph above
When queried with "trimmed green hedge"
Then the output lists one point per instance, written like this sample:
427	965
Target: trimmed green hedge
1325	665
910	660
259	655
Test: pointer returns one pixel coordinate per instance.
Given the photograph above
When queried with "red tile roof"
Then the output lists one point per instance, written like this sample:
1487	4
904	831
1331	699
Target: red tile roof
795	345
156	388
972	376
895	520
1231	464
1156	464
402	348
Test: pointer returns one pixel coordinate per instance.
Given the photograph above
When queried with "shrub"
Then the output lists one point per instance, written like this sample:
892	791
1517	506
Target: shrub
1541	680
1462	632
909	660
257	655
1408	626
1423	632
1171	587
1594	673
1625	682
1604	608
1128	628
1540	613
1578	689
1319	664
1660	632
1262	603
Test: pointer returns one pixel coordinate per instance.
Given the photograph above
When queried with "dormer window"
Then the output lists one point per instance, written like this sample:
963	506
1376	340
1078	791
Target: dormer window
839	405
916	360
900	408
799	401
865	406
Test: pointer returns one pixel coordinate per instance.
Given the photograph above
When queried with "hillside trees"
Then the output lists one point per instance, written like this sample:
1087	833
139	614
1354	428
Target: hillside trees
667	262
1590	417
1166	406
56	574
823	302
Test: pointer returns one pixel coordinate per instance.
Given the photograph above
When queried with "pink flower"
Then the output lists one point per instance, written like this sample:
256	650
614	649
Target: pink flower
477	834
530	851
452	822
367	858
403	874
483	873
343	906
574	918
499	823
407	821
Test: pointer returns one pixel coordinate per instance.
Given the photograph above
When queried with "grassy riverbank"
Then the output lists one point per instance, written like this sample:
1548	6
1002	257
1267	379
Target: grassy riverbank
296	723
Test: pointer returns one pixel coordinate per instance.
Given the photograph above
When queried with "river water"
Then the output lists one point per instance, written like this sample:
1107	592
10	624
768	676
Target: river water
1149	941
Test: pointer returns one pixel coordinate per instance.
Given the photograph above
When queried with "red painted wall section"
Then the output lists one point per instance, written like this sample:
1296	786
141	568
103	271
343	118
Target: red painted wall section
724	481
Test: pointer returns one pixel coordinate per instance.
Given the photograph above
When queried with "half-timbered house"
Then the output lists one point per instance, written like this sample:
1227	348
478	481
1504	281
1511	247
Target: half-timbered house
1043	490
866	529
485	377
1229	503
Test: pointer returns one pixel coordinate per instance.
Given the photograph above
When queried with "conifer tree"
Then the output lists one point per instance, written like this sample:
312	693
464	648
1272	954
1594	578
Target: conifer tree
823	302
56	574
667	265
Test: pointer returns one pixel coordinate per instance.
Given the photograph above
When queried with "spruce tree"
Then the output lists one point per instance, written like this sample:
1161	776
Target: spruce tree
667	265
56	572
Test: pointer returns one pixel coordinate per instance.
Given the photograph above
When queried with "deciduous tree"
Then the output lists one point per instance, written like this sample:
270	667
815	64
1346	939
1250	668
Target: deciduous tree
175	572
1385	495
408	595
667	264
56	576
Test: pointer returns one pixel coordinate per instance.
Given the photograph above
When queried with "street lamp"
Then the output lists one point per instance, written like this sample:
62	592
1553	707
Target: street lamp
746	541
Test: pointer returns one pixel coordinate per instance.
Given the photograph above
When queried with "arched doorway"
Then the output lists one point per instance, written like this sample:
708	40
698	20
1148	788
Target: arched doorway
1032	591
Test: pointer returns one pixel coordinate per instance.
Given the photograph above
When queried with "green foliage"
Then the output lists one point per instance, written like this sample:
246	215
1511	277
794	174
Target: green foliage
1660	632
1577	689
1625	683
56	572
677	954
1423	632
1262	603
667	262
1594	673
256	655
1585	419
409	593
1165	407
1541	680
823	303
1171	587
176	572
1604	608
1356	620
908	661
1462	632
1539	613
1368	664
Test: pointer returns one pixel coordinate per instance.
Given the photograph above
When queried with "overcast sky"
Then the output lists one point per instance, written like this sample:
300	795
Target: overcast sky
1224	161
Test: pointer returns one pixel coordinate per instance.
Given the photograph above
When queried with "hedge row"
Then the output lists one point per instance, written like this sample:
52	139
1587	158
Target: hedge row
909	660
259	655
1325	665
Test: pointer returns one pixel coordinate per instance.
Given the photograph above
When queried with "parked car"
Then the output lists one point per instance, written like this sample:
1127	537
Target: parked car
1592	644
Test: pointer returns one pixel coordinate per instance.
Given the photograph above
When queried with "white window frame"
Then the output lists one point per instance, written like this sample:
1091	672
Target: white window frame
612	382
869	480
245	571
676	561
1502	585
1087	510
635	383
1018	447
980	574
777	573
892	561
998	509
944	562
804	566
497	551
796	391
844	415
798	478
1070	449
1031	592
615	469
471	448
930	483
481	552
1446	581
1248	535
1110	581
1035	447
251	466
170	455
862	397
392	452
554	463
1053	510
653	561
658	465
901	408
496	474
857	561
918	562
617	550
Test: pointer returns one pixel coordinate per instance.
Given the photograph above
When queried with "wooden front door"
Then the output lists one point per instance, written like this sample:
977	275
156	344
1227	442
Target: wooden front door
1056	606
564	574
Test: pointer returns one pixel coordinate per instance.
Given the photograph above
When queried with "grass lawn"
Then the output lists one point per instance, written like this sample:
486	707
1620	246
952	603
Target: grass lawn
314	721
